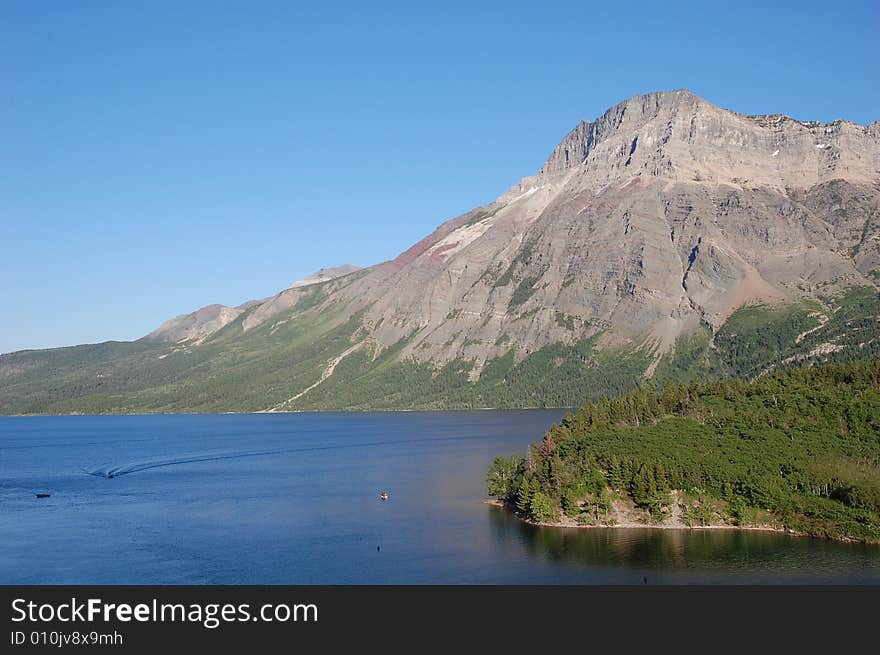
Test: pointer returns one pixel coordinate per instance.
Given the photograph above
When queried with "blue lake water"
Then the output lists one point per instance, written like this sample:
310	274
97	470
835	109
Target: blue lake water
293	499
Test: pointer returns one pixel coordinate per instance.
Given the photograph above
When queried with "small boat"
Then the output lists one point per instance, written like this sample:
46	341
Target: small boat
42	495
384	495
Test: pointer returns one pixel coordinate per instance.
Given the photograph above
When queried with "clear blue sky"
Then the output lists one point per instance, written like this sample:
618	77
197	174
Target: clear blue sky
156	157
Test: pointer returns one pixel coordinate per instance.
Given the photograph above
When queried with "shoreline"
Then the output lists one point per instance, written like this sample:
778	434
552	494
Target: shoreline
658	526
305	411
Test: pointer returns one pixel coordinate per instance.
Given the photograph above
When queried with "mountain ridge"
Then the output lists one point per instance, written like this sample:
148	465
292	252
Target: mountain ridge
653	225
205	321
607	154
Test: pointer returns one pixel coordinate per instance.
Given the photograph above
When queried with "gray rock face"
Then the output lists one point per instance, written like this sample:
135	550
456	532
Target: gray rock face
196	326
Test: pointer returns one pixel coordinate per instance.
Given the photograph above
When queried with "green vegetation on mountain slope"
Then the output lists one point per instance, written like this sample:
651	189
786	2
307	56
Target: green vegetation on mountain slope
554	376
757	338
226	373
270	366
798	448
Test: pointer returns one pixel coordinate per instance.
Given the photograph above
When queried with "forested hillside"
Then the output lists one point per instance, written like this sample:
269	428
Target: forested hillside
268	367
798	448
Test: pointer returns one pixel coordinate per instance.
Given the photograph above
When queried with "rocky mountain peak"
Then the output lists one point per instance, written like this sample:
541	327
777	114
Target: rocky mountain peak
665	213
196	325
325	275
678	135
628	116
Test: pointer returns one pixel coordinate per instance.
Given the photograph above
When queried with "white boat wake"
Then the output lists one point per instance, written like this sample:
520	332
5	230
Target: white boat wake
115	470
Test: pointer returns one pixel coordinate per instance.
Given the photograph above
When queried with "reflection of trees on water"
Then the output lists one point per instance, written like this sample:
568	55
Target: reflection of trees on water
651	548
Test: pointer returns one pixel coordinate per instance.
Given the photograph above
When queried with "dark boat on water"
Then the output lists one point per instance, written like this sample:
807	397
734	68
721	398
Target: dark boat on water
42	495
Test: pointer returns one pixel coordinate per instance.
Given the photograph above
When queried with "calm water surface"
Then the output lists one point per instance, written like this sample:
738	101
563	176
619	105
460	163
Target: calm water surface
293	499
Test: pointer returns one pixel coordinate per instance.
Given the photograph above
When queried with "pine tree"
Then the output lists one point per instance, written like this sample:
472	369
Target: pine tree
644	486
548	446
524	496
615	473
530	459
660	476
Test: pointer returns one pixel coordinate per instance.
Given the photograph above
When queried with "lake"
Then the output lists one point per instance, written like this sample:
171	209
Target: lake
293	499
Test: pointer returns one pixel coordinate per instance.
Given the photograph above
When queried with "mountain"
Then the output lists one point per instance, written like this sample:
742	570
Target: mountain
325	275
197	326
669	239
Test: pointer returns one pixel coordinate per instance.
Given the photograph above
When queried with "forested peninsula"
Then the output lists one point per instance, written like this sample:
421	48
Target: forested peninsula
795	450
